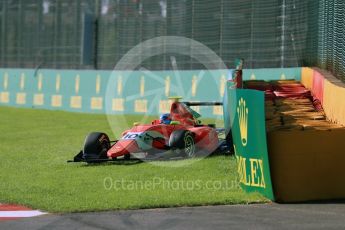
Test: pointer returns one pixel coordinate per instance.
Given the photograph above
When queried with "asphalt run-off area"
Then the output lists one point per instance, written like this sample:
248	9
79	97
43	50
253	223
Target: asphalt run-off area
258	216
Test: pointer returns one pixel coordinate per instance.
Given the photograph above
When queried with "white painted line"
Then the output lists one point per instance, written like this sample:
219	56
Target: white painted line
21	213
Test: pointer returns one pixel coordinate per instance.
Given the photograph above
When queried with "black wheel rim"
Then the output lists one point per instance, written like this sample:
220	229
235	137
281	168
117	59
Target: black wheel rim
189	146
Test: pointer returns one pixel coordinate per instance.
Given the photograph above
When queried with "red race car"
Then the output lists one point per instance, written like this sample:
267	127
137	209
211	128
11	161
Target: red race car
177	134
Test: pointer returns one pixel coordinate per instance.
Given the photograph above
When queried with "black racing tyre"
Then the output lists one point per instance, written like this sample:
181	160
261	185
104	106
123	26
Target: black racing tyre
230	143
182	142
96	146
127	157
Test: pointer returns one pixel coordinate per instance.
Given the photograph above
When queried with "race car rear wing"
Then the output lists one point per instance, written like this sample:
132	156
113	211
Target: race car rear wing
213	103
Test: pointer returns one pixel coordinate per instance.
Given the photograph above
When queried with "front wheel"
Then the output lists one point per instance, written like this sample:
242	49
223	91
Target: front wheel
182	142
96	146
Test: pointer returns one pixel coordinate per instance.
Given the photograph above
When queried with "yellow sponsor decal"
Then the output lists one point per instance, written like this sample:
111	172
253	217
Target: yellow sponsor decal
57	83
118	104
96	103
242	112
222	85
56	101
39	99
77	84
40	82
167	86
255	177
75	102
164	106
5	97
140	106
257	173
218	110
5	81
22	82
98	84
194	85
142	86
119	85
242	171
21	98
196	108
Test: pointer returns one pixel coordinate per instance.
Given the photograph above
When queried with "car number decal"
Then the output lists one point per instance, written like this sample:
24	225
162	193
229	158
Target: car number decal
131	135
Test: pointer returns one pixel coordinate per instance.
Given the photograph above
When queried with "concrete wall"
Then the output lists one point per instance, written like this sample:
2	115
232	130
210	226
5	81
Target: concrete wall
125	92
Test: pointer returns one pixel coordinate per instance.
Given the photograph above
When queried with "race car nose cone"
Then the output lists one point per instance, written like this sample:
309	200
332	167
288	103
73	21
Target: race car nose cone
123	147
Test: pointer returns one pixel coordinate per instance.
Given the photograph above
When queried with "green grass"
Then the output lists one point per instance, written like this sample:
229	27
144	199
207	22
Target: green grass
35	145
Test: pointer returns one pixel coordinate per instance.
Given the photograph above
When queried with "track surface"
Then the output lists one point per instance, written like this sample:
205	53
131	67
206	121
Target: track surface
261	216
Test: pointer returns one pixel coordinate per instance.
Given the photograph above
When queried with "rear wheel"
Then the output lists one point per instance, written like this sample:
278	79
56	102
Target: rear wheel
95	147
182	142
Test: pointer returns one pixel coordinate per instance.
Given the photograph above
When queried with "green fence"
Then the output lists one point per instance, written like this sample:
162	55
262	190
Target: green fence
331	44
95	34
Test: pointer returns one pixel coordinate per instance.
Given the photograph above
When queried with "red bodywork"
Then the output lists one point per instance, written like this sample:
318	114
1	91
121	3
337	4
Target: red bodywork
135	140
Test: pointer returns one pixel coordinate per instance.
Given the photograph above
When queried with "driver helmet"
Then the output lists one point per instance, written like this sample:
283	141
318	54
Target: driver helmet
165	118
